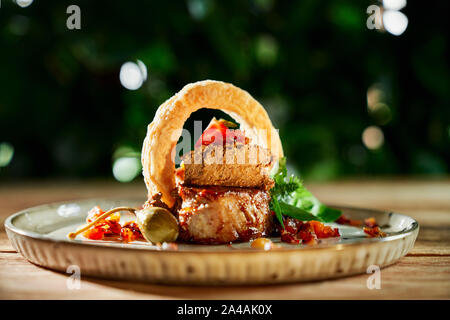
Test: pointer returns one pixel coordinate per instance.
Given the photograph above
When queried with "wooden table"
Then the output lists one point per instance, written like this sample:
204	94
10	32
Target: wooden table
423	274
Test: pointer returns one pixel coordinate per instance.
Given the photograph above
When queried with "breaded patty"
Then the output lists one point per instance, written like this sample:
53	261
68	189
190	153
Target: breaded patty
232	165
217	215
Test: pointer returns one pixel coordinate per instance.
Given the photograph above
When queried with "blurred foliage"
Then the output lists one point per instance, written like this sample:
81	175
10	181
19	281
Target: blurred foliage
311	63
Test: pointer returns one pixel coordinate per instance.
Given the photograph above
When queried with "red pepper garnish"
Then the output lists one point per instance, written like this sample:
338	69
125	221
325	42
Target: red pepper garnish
345	220
374	232
306	232
111	227
218	133
322	231
130	232
370	222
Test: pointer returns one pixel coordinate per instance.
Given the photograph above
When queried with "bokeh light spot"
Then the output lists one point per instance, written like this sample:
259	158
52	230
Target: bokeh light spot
373	137
198	8
132	75
24	3
374	96
395	22
394	4
143	69
266	50
126	169
6	153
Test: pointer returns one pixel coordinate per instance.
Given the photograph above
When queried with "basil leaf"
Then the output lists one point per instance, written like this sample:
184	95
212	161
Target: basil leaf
291	198
327	214
295	212
276	207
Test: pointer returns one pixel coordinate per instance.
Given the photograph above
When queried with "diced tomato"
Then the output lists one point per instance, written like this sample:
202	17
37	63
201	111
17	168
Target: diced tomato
289	237
322	231
94	213
307	232
370	222
127	235
130	232
113	227
110	226
374	232
345	220
94	233
306	237
218	133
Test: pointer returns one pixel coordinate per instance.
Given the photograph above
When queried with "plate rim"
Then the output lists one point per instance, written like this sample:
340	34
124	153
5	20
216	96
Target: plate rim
9	226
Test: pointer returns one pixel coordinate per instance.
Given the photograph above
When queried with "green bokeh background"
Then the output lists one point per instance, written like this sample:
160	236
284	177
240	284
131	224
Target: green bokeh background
310	63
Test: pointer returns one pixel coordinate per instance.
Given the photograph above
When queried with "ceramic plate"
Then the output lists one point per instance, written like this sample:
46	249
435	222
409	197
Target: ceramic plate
39	234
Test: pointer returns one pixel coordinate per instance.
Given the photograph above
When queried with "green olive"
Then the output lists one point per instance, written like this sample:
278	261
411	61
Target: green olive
157	224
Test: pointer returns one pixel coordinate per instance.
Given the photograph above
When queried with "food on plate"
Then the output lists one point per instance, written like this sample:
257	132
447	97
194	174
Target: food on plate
157	224
263	243
232	187
240	165
154	224
370	226
217	214
101	223
166	128
374	232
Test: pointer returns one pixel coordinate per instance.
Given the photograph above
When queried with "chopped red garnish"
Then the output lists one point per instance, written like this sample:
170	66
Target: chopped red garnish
374	232
130	232
111	227
371	227
370	222
127	235
218	133
288	237
306	232
94	233
345	220
322	231
94	213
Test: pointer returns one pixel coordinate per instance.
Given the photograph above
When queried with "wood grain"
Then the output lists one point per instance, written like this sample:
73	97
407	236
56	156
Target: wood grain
423	274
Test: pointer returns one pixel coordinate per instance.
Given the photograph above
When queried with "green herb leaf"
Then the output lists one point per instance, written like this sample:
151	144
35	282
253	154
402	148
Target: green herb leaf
327	214
291	198
276	208
295	212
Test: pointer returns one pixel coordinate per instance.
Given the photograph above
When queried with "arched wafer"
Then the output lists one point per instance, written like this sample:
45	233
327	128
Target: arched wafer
165	130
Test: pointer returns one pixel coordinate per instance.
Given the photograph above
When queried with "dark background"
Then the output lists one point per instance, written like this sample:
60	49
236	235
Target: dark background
312	64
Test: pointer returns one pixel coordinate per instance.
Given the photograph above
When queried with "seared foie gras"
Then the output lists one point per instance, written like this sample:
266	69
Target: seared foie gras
215	215
231	165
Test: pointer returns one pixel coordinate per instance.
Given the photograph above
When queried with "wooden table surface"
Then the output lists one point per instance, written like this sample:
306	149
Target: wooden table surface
423	274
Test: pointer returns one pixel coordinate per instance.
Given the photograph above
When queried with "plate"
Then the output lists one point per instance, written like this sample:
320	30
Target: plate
39	234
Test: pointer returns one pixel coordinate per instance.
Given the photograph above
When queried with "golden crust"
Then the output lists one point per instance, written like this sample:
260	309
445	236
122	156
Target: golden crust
165	130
